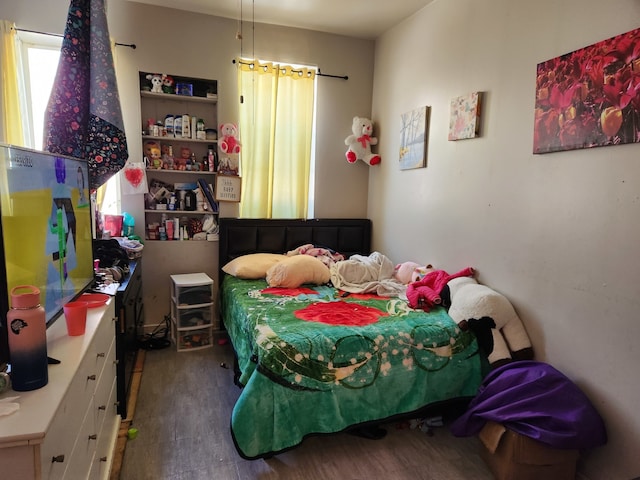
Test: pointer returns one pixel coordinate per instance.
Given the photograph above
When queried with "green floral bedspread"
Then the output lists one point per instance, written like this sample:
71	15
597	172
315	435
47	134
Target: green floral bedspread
314	361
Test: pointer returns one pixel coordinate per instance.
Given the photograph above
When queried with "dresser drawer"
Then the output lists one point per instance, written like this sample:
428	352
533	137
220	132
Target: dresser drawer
102	459
85	445
103	405
99	349
65	426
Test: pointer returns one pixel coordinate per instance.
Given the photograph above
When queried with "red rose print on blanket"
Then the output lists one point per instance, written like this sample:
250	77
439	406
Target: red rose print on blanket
288	292
340	313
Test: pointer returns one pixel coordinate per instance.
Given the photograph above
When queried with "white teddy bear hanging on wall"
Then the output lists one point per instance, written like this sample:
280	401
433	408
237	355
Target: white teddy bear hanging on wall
360	141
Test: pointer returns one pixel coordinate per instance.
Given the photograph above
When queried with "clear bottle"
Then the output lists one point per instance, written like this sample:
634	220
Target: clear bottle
27	339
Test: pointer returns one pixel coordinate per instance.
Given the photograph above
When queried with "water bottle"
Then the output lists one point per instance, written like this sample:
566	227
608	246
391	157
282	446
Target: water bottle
27	339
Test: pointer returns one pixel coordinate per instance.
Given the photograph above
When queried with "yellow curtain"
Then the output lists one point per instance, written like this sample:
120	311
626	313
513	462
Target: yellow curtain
11	125
276	127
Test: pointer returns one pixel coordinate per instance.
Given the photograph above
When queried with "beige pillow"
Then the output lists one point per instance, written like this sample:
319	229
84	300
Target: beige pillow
297	270
253	265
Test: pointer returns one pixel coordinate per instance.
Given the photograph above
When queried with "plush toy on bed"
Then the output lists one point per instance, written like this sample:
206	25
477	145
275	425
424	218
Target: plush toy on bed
229	142
409	272
492	318
360	141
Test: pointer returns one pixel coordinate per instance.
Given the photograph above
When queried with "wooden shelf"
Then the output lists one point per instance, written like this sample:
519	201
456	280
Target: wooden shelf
177	98
178	139
182	212
182	172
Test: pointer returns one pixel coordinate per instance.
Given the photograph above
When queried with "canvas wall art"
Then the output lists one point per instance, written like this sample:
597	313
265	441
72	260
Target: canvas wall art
589	97
414	132
464	119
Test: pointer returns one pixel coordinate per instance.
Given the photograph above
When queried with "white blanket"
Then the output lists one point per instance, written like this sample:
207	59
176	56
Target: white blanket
372	274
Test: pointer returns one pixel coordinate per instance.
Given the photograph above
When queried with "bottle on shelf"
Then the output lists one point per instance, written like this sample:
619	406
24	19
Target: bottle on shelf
211	158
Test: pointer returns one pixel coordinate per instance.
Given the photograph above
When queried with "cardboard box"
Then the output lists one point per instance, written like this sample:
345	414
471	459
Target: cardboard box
512	456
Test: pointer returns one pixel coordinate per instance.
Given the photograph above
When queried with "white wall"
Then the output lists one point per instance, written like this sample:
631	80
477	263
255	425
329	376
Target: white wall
557	233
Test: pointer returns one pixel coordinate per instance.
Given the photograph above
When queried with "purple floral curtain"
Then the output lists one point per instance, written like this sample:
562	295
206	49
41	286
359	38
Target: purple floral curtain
83	117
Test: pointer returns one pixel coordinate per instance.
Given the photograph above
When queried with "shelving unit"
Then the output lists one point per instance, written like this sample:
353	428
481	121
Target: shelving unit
171	178
166	258
192	314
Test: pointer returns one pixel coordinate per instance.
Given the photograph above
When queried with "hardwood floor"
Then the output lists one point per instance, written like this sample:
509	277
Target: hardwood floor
182	415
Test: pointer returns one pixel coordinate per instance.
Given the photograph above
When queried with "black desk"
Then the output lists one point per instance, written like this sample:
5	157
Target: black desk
130	313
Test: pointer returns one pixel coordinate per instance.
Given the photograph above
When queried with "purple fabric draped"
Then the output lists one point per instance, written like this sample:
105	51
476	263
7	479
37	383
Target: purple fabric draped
83	117
536	400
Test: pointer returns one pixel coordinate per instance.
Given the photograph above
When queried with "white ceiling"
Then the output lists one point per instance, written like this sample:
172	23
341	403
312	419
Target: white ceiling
353	18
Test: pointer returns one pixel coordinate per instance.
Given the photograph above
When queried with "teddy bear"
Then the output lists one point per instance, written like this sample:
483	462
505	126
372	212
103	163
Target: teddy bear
360	141
229	143
156	82
492	318
409	272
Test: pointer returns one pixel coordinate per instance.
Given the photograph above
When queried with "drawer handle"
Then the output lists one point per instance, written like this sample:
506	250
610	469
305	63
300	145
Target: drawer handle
101	355
93	437
103	459
57	458
102	407
91	377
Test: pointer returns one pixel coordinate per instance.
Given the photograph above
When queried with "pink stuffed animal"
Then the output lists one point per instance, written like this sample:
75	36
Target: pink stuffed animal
409	272
229	143
425	293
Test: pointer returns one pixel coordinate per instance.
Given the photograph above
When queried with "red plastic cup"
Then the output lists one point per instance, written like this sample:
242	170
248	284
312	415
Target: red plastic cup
75	314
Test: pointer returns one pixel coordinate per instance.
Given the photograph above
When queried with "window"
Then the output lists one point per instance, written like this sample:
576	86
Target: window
277	130
40	54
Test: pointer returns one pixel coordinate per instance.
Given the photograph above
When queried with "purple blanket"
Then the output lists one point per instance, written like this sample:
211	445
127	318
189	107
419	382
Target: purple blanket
536	400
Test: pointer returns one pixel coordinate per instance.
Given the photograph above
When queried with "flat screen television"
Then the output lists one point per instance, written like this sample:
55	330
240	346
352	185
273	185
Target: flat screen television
45	230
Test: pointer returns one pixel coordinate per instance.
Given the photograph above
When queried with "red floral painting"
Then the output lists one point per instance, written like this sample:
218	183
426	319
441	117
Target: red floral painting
590	97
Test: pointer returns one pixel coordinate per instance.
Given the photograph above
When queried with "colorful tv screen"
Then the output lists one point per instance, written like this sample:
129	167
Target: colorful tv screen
46	226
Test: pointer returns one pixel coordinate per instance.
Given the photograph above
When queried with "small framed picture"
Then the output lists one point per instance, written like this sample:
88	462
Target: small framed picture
228	188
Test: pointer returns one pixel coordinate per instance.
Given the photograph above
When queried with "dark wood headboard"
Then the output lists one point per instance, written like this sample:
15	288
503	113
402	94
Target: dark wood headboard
241	236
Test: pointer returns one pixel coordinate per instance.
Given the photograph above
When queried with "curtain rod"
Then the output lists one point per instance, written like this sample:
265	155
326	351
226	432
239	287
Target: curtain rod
320	74
130	45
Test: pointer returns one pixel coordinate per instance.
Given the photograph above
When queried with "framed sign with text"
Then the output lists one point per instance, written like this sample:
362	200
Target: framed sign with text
228	188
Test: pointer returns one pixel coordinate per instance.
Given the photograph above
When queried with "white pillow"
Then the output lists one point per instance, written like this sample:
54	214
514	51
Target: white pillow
253	265
298	270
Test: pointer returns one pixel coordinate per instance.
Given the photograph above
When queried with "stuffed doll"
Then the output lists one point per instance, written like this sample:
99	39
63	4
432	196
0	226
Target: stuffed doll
409	272
426	292
156	82
360	141
152	153
499	330
167	84
228	142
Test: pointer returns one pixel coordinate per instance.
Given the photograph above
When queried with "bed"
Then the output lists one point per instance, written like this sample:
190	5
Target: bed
317	360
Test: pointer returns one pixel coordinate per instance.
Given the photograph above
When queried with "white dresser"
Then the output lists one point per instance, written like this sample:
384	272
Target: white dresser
68	428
